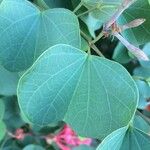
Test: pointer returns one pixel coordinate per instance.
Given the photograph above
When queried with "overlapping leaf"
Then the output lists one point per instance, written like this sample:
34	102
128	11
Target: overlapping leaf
126	139
139	35
142	72
92	94
53	3
26	32
103	9
33	147
141	124
144	93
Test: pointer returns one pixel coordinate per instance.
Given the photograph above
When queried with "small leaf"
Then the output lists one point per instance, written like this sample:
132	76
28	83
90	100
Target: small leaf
126	139
27	32
33	147
92	94
2	130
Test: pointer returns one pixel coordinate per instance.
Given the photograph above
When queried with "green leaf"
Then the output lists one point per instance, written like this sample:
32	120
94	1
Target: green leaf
126	139
121	54
139	35
88	92
12	117
33	147
142	72
12	147
141	124
27	32
92	23
84	45
2	109
102	10
8	82
144	93
2	130
53	3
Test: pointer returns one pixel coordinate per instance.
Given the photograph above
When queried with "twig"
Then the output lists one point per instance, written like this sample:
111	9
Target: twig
86	12
121	9
78	7
97	38
91	44
134	50
97	50
85	36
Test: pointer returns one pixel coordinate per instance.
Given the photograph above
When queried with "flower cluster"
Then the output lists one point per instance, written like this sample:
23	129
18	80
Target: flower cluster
67	138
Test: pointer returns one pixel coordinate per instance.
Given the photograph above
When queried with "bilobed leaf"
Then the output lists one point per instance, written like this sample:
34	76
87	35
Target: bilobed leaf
126	139
33	147
92	94
26	32
139	35
103	9
2	130
2	109
8	82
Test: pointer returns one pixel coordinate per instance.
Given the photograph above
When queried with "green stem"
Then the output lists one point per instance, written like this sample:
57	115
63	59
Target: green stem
97	38
86	12
78	7
85	36
91	45
96	50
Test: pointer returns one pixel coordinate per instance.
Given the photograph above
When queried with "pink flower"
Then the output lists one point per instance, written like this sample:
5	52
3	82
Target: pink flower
19	134
67	138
